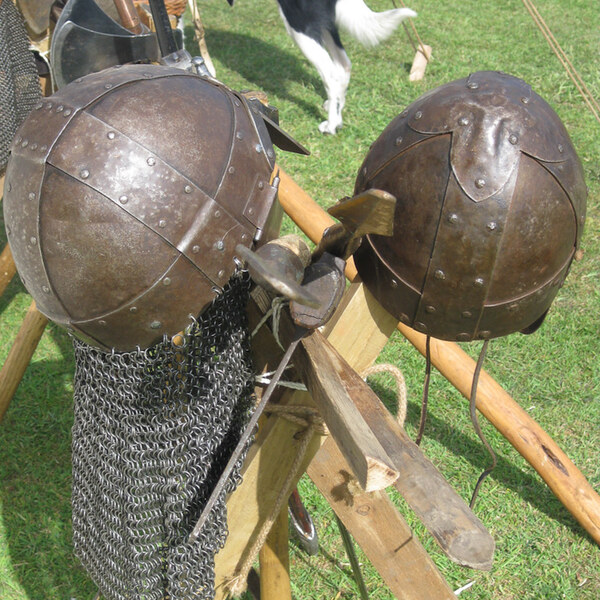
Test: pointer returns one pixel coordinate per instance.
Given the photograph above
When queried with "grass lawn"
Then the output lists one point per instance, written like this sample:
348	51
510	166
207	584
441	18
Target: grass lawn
542	553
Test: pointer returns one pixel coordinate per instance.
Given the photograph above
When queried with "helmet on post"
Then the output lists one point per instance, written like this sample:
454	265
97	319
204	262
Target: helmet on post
490	210
126	195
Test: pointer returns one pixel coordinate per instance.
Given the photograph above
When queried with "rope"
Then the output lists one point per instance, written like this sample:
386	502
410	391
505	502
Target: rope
401	394
309	418
562	57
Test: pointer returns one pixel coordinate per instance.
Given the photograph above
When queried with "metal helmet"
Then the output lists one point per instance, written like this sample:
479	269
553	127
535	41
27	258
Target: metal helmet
126	194
490	210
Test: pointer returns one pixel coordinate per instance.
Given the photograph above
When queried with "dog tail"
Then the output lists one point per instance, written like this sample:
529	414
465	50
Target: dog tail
369	27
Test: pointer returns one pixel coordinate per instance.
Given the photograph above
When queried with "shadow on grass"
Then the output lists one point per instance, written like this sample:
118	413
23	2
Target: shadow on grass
526	485
35	475
269	68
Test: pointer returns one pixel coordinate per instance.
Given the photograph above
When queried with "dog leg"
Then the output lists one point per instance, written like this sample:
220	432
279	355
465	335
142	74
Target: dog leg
341	79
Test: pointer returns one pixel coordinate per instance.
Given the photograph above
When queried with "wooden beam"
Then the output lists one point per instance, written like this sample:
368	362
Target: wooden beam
379	530
20	354
275	561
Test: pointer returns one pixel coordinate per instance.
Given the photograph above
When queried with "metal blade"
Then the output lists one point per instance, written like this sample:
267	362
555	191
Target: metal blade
249	429
86	40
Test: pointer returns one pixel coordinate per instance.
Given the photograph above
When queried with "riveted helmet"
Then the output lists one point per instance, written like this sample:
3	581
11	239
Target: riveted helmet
490	210
126	195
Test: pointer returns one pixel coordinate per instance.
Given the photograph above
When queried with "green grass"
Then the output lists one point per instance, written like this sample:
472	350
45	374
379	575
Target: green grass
542	553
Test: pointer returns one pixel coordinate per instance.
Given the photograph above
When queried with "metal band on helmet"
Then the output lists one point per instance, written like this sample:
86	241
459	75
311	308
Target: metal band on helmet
126	195
490	209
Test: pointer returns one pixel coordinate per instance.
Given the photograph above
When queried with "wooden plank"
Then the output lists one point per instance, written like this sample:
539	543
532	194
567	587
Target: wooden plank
267	465
379	530
322	372
275	561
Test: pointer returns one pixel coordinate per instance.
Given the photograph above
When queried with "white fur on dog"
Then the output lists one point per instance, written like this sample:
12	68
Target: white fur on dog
330	59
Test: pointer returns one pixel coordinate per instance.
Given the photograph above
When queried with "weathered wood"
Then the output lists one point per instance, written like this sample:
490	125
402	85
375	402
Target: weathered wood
461	535
379	530
7	268
332	390
528	438
269	459
19	355
275	561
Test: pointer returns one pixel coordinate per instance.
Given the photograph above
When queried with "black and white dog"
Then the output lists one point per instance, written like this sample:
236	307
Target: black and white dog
313	25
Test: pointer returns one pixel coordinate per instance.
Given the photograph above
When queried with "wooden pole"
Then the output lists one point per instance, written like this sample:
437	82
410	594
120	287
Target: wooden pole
527	437
19	355
274	560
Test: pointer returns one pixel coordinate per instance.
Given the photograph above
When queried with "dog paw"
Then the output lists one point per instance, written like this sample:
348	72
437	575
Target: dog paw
327	128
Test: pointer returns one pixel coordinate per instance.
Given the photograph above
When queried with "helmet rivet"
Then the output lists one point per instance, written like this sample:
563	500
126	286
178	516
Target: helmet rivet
270	153
67	112
110	135
84	174
418	114
513	138
33	240
49	106
38	106
258	148
123	199
430	309
492	225
403	114
43	148
162	223
561	148
102	322
31	195
404	318
394	283
453	218
107	86
479	183
24	144
45	289
187	189
236	102
79	80
220	245
472	85
221	274
231	170
466	314
463	121
261	185
155	325
439	274
239	135
167	281
512	307
479	282
463	337
398	141
60	108
217	213
33	146
244	237
133	309
151	161
9	187
250	211
196	249
525	100
420	327
484	335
